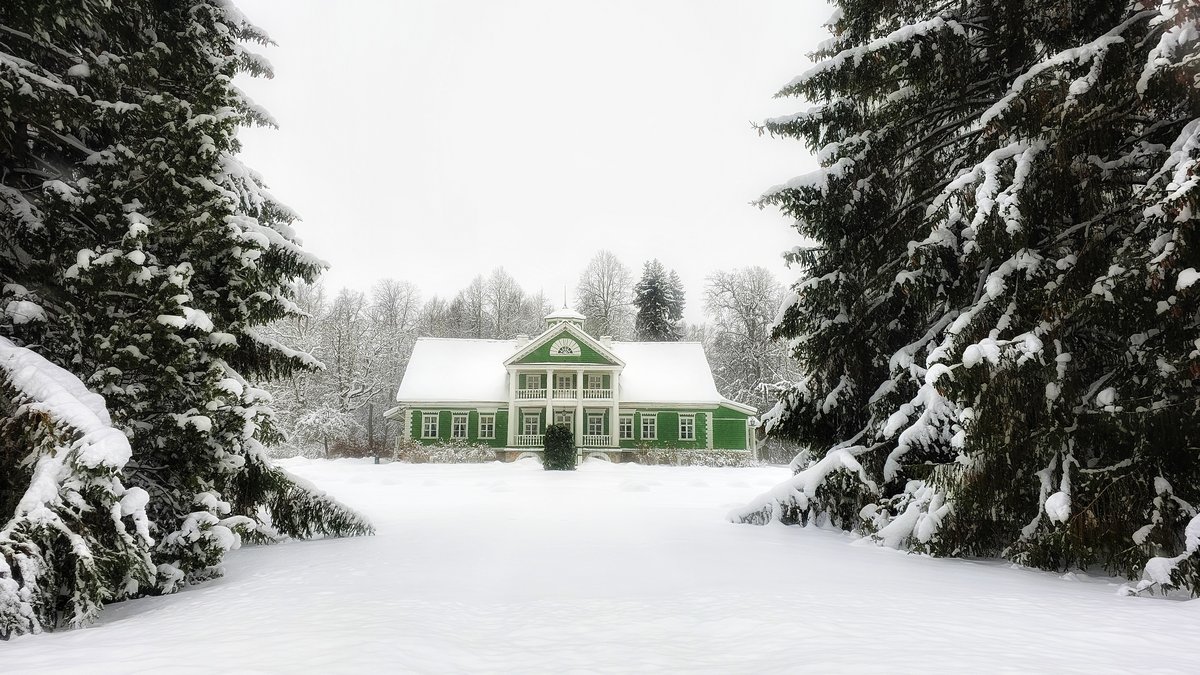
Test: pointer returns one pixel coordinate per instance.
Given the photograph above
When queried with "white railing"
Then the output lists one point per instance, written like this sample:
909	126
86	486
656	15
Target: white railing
564	393
527	394
531	441
597	393
600	441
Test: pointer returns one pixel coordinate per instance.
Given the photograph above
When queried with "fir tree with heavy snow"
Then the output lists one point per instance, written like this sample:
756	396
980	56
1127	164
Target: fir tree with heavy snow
141	256
658	297
997	325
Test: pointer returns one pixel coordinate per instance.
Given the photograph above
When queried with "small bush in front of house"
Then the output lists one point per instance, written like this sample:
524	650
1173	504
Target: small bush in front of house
560	448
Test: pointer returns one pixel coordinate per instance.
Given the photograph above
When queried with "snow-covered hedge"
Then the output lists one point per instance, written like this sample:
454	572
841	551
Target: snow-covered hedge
682	457
417	453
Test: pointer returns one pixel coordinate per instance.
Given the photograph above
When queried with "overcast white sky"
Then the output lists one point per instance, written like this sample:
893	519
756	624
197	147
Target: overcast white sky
434	140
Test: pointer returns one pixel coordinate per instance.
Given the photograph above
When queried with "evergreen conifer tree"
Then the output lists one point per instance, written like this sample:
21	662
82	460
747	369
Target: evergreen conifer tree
658	297
997	325
140	255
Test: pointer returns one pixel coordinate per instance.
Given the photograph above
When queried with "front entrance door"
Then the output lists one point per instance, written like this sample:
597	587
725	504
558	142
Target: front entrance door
566	417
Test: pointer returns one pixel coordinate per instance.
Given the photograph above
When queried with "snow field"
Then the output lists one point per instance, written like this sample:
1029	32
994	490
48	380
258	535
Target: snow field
613	568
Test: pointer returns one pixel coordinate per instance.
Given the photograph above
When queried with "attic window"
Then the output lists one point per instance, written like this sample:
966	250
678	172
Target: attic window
564	347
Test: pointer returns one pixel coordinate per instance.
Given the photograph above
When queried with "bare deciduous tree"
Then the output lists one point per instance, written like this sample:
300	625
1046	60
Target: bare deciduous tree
605	296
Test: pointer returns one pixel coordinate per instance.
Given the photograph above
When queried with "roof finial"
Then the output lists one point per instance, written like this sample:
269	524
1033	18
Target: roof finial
564	296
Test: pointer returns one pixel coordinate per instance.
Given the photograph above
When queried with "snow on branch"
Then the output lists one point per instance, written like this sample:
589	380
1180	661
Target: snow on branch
75	523
1093	51
795	498
896	37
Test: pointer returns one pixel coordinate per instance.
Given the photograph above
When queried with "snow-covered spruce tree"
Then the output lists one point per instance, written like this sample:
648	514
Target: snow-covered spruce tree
658	298
139	254
997	328
77	536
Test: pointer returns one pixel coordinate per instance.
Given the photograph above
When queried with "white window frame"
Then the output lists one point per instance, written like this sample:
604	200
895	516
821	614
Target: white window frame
624	431
487	420
460	425
568	417
425	425
525	417
652	418
691	420
537	379
595	381
597	430
560	378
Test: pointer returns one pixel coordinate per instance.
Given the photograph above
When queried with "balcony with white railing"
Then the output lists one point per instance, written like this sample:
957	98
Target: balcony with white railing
565	393
596	441
597	394
530	394
530	441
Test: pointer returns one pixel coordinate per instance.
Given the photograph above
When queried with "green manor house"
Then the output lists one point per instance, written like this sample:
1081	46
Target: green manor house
617	396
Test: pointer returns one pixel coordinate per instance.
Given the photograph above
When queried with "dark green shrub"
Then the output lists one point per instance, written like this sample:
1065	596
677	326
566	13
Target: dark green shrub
560	448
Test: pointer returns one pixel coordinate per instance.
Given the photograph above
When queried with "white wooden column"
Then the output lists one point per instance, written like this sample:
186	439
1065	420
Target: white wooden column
614	417
579	421
512	408
549	397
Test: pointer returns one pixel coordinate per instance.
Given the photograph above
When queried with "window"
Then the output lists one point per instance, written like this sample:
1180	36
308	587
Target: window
687	427
595	424
533	381
429	425
566	417
595	381
487	425
563	382
530	424
626	427
649	426
564	347
458	425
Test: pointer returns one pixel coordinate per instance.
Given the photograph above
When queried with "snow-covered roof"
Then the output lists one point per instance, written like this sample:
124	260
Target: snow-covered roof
453	369
461	370
565	313
667	372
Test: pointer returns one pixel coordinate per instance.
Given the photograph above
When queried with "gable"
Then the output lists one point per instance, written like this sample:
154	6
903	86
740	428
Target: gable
544	352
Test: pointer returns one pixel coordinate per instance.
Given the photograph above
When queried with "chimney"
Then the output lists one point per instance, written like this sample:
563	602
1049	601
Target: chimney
606	340
522	340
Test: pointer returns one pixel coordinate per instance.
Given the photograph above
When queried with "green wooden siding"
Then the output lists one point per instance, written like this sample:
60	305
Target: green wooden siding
446	417
729	429
668	430
586	354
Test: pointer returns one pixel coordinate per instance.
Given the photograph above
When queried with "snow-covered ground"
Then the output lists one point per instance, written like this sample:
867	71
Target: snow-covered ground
613	568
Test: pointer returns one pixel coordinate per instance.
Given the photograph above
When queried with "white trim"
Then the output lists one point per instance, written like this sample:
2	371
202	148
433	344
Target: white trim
525	415
425	426
620	433
570	346
576	332
691	417
450	405
588	429
642	436
465	418
479	426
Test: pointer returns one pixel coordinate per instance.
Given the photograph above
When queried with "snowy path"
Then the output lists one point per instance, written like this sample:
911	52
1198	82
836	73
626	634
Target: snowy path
613	568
